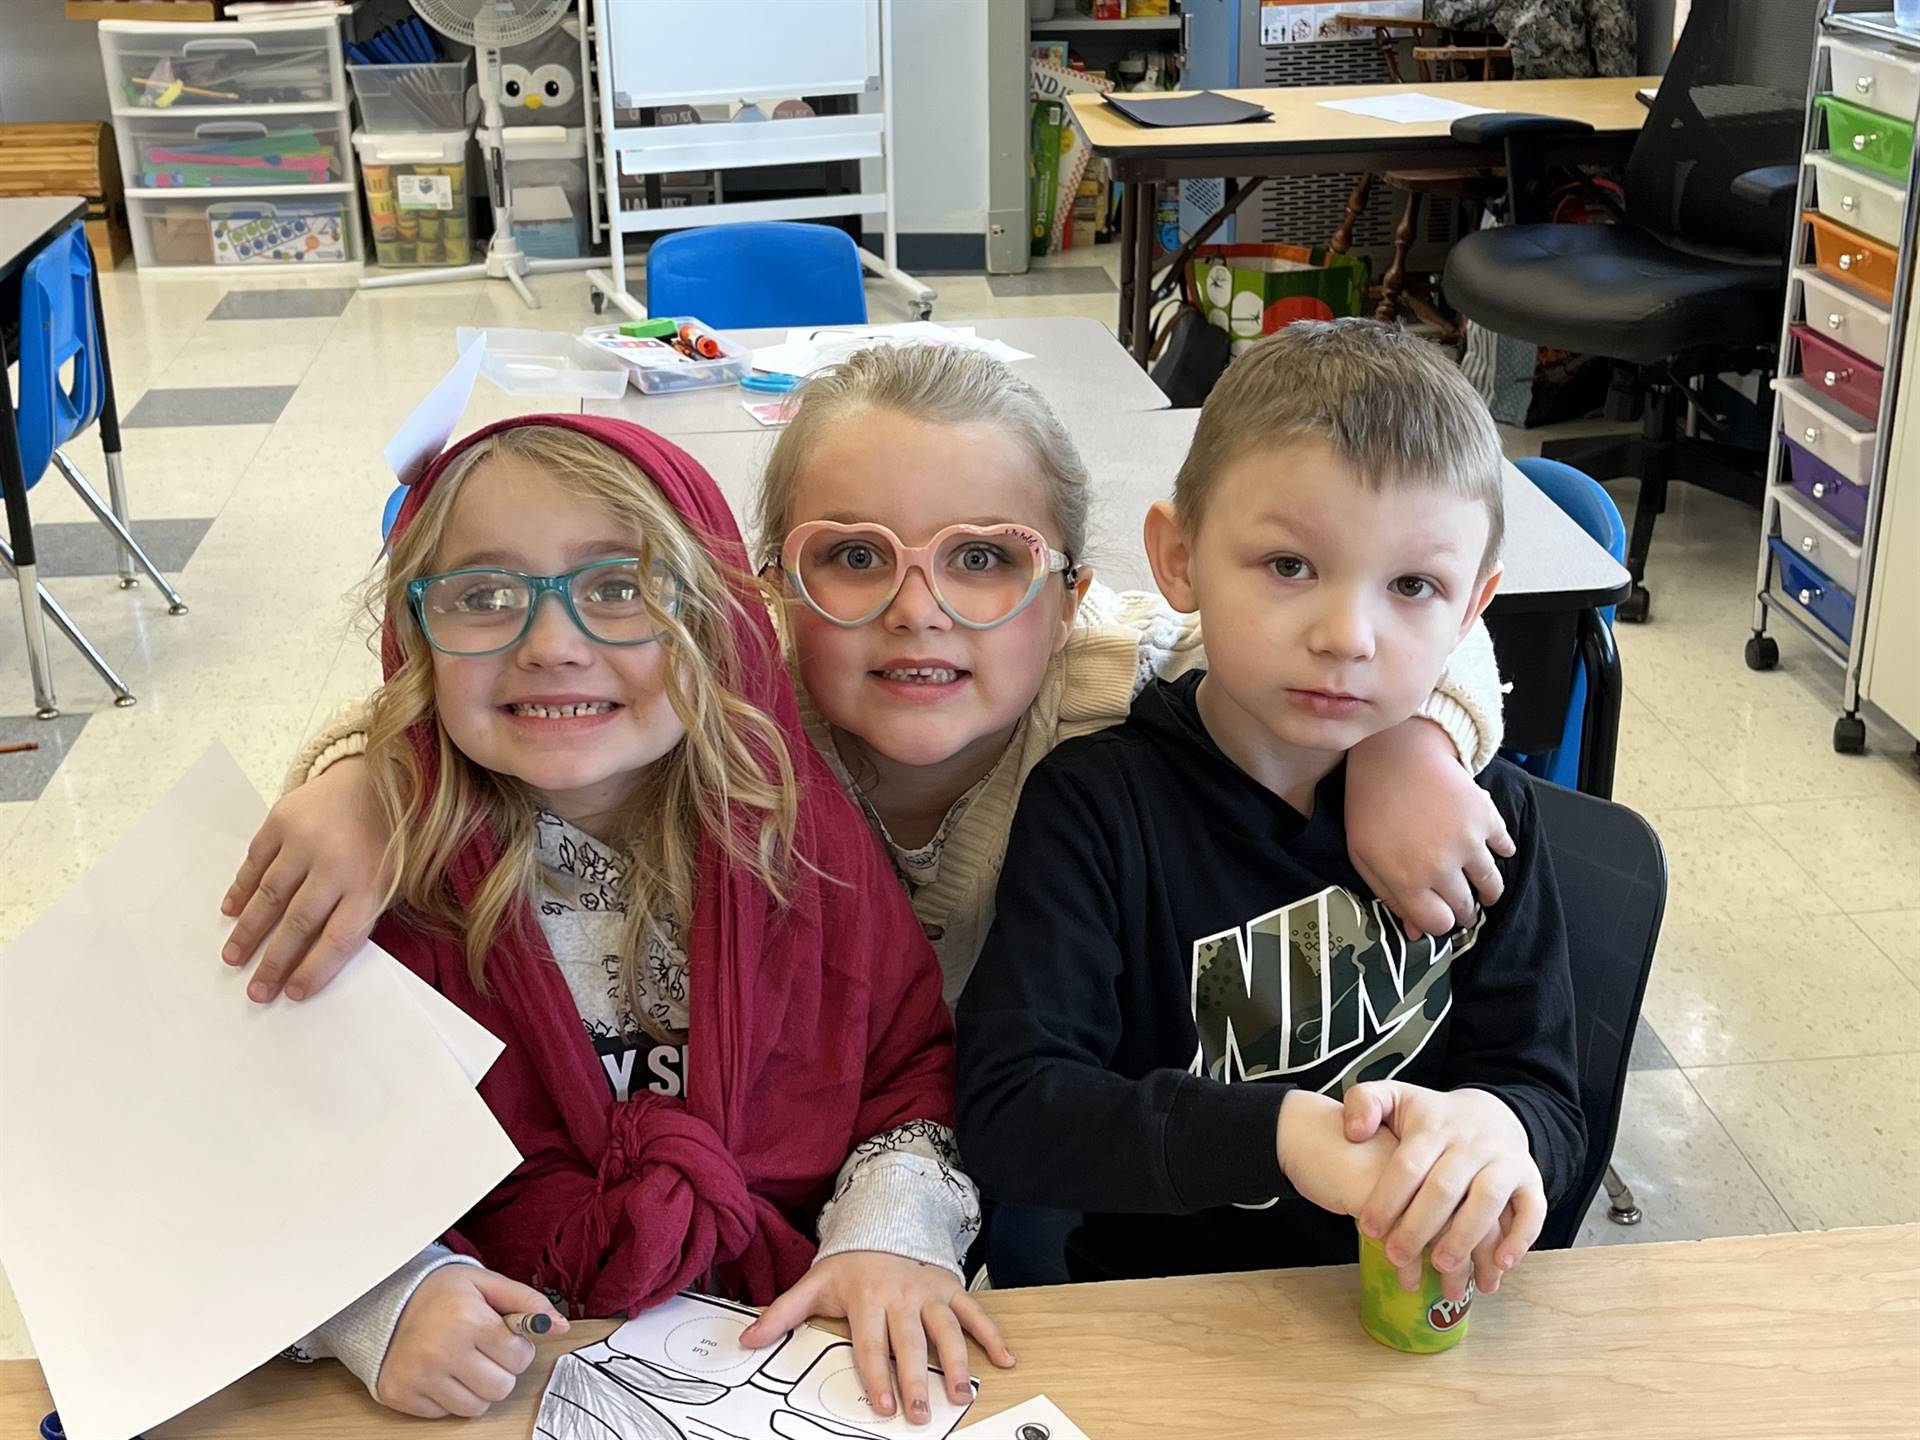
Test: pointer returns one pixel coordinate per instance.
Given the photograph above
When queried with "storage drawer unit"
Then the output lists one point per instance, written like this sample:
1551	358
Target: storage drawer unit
1852	258
234	141
1866	202
1852	319
1878	142
1838	498
1806	532
1812	592
1842	440
1837	373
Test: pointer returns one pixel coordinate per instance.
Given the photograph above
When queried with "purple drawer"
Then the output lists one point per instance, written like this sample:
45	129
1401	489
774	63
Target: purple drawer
1827	488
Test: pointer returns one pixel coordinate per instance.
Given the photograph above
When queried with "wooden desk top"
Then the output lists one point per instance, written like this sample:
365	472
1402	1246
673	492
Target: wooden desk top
1787	1336
1300	122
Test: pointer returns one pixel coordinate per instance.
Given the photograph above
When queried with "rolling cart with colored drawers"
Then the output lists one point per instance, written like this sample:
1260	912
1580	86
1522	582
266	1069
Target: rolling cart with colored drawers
1842	339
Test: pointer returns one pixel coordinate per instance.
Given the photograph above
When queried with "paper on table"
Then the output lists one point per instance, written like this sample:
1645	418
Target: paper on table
424	433
680	1369
192	1181
805	351
1413	107
1038	1419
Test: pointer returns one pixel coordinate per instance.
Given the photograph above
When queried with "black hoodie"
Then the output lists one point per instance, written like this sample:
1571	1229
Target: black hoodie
1176	948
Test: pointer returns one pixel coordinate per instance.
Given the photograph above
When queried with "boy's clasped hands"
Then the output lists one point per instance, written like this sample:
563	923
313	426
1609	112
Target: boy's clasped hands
1418	1167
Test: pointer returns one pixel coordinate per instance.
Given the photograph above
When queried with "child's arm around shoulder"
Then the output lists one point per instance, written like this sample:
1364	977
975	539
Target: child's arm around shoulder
1424	837
313	880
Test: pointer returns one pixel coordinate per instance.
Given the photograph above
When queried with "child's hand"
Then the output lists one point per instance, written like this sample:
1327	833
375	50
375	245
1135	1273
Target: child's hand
452	1353
1321	1162
1463	1173
315	871
889	1301
1420	832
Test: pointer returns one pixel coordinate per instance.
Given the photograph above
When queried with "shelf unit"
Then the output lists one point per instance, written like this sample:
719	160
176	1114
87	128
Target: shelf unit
1079	24
285	74
1831	460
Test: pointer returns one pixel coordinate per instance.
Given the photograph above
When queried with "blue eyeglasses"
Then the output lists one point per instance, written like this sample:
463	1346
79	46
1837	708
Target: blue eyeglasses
482	611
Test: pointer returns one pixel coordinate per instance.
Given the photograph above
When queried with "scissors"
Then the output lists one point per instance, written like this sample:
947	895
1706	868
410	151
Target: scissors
771	384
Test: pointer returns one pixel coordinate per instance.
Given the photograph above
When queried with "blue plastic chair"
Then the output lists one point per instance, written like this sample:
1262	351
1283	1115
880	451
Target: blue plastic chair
759	275
57	325
1586	502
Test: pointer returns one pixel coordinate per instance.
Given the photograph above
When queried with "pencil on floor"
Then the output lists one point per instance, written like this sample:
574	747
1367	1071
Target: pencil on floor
19	749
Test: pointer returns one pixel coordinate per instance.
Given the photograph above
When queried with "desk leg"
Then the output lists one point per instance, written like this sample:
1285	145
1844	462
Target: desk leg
1139	331
110	437
1600	733
13	489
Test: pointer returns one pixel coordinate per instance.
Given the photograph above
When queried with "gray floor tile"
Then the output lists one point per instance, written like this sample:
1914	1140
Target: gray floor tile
25	774
1055	280
280	304
1649	1052
214	405
88	548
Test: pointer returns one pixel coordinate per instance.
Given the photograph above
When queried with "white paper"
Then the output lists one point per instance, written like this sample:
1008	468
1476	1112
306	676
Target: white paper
680	1369
1413	107
1038	1419
805	351
424	433
191	1181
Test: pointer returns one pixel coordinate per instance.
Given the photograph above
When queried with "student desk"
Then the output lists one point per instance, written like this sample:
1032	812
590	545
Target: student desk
1076	364
1304	138
1556	577
1769	1337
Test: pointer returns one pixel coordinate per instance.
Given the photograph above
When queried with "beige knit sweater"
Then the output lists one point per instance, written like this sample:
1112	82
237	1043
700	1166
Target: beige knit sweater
1119	643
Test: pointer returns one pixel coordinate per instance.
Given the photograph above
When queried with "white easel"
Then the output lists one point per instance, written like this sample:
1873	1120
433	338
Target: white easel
743	50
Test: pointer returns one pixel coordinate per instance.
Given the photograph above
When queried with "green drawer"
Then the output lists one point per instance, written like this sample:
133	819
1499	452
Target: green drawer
1867	138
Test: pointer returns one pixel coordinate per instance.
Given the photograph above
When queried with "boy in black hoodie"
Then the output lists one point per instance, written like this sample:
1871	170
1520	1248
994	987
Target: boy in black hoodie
1191	1020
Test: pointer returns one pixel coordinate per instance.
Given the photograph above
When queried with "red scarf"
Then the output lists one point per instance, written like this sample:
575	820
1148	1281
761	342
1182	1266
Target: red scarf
814	1026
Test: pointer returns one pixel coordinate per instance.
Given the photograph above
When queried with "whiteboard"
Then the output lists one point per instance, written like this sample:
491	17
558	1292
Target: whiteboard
663	52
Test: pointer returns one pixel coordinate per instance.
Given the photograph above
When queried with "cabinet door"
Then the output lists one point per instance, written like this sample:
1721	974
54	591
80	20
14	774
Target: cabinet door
1891	670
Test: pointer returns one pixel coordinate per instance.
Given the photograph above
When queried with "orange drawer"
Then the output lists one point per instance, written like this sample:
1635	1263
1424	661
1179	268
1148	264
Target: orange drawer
1852	258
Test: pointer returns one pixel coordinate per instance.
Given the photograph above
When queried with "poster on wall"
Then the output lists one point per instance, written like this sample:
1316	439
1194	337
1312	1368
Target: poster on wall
1299	22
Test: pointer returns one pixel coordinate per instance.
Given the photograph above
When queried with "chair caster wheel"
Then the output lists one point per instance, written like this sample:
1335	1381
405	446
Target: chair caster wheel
125	702
1850	735
177	609
1763	652
1634	608
130	583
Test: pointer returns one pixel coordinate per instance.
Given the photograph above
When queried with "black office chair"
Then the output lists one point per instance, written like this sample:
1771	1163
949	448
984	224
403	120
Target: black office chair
1612	877
1692	282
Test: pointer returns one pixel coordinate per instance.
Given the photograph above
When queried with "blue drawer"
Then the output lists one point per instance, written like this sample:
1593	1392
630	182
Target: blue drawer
1813	591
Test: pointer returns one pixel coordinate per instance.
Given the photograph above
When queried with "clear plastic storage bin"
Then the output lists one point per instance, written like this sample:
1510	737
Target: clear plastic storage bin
658	370
547	176
281	231
411	97
417	196
546	362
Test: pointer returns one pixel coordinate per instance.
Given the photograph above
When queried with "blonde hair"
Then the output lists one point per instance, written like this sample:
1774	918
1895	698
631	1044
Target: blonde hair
729	777
944	384
1393	409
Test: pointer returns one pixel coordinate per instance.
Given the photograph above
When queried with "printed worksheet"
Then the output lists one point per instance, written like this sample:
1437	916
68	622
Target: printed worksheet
679	1372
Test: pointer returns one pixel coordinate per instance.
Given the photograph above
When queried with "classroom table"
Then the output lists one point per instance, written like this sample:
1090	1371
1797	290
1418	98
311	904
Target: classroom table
28	224
1546	612
1769	1337
1076	364
1305	138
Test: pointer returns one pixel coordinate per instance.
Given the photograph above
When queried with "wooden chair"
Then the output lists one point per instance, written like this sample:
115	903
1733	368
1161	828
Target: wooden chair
1438	54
